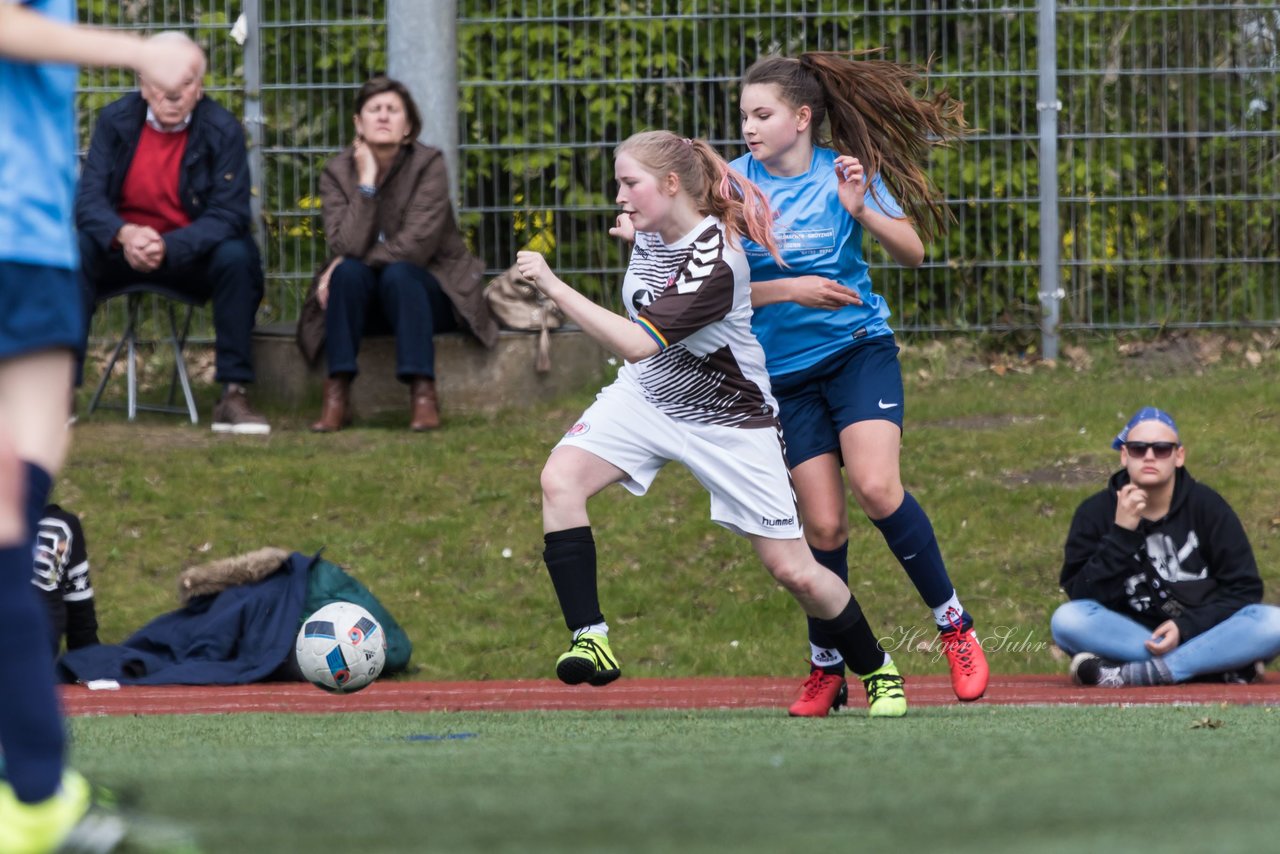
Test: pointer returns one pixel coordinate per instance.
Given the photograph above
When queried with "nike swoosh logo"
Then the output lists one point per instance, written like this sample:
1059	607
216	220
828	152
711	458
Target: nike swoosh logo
884	405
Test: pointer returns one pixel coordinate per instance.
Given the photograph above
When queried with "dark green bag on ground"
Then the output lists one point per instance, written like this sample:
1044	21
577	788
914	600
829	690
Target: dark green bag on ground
329	582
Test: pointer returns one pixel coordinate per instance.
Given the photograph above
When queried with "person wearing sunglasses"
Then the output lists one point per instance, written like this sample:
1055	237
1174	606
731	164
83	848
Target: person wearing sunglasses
1162	580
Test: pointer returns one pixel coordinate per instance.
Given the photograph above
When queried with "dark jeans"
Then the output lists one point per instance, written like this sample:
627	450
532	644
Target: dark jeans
230	275
401	298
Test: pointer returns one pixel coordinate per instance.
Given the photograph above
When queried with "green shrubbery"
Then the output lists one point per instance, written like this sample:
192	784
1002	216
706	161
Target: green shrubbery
1169	149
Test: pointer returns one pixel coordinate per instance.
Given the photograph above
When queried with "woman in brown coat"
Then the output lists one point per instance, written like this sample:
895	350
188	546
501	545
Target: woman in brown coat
400	262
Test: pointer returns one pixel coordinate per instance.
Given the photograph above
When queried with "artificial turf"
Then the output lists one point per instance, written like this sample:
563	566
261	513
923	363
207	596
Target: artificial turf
977	778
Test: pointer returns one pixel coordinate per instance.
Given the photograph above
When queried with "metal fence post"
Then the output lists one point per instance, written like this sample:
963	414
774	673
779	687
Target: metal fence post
1047	106
253	119
422	53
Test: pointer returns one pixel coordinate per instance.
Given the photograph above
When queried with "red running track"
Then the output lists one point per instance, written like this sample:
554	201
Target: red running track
520	695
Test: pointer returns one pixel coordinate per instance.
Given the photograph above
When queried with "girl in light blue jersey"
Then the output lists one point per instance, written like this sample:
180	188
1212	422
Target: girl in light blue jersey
835	144
41	802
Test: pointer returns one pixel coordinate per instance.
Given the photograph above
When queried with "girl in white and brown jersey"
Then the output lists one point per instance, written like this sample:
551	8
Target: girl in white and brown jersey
693	389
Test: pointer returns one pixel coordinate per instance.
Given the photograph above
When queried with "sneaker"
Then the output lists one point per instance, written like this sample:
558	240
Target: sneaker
967	662
820	694
1090	669
1246	675
589	660
885	697
65	822
233	414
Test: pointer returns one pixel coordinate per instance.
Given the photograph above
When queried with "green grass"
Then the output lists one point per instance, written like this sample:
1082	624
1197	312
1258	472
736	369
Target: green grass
999	459
963	779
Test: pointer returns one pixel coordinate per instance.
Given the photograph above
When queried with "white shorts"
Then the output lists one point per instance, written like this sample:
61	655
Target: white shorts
743	469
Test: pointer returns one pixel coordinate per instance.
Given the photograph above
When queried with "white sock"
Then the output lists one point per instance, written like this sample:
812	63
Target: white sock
823	657
594	628
948	612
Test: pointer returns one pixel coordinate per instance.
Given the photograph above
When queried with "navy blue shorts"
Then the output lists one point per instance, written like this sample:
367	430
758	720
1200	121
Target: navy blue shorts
862	383
40	309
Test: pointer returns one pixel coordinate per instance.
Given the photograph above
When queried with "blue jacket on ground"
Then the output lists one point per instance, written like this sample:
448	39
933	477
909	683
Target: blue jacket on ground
213	184
240	635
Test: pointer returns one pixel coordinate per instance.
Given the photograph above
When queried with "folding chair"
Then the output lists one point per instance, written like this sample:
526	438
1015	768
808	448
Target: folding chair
136	295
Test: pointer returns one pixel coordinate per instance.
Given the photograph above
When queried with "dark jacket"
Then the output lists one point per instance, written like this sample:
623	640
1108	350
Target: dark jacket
410	218
240	635
213	184
242	632
62	576
1194	566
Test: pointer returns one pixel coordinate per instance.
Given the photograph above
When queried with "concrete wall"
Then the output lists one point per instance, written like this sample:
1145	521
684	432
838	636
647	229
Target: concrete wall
469	378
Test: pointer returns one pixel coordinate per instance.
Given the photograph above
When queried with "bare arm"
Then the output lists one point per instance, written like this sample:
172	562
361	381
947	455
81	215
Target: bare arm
897	236
809	291
28	36
613	331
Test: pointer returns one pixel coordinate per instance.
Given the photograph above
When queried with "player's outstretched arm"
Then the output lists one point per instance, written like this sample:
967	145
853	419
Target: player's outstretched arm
28	36
612	330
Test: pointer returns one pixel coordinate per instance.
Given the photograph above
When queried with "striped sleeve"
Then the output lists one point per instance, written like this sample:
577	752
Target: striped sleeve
701	293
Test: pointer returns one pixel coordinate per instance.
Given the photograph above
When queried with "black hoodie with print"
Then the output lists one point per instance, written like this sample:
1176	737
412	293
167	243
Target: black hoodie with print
1194	566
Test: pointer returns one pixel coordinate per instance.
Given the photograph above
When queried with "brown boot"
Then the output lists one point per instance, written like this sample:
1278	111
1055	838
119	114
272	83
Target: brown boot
424	411
335	406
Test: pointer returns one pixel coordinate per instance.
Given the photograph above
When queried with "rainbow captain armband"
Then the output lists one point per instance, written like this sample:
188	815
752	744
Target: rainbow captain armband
654	333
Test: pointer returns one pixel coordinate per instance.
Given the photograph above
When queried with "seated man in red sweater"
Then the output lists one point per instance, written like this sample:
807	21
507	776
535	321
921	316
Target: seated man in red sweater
163	198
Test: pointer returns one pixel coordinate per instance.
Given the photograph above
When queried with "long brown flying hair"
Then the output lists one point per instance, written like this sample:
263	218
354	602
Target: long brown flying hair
871	112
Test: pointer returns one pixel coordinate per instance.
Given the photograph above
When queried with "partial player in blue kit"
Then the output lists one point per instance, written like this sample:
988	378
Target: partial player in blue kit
693	389
835	143
42	804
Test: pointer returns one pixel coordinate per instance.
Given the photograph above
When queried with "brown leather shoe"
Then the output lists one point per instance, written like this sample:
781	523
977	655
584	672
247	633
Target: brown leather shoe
424	410
335	408
233	414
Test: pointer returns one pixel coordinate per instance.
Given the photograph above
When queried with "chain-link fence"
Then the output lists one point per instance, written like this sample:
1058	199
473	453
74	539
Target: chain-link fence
295	85
1168	142
1171	164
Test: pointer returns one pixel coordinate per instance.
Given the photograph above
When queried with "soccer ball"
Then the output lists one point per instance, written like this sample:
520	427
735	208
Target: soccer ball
341	648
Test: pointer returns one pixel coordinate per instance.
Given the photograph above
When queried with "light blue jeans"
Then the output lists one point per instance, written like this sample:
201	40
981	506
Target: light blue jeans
1250	634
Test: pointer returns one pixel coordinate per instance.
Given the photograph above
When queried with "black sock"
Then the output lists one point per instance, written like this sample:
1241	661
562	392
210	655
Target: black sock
570	556
836	560
854	638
